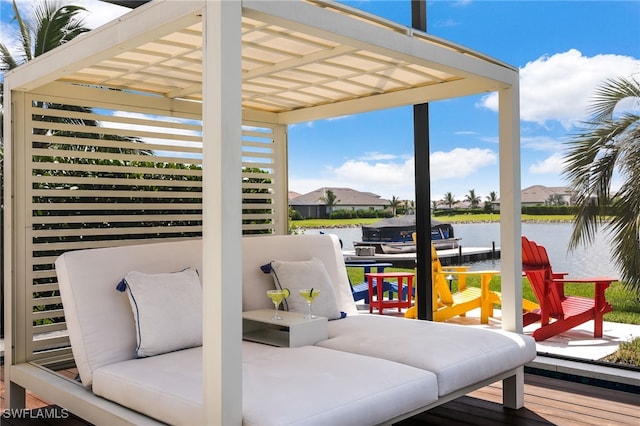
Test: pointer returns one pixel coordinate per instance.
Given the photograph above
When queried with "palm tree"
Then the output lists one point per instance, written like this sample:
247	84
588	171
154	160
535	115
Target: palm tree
472	199
449	200
491	199
409	207
555	200
51	25
608	145
394	204
330	200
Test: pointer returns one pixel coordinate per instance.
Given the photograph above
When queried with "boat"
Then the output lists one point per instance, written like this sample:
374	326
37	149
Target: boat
395	235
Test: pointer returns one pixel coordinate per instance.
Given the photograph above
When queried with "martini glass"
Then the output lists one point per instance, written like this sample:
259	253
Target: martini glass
309	294
277	296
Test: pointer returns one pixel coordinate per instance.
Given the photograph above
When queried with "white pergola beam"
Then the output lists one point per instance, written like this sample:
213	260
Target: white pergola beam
435	92
145	24
343	29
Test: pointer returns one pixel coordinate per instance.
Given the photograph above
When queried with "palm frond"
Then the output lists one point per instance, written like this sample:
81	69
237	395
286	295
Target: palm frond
55	25
24	33
608	95
608	146
7	62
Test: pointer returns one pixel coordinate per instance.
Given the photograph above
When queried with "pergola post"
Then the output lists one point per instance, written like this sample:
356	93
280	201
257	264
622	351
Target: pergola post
422	170
222	213
510	230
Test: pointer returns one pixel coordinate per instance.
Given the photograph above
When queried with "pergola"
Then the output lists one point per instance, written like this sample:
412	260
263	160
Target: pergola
208	87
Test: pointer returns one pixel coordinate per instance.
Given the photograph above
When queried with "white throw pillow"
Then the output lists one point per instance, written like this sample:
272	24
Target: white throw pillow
306	274
167	309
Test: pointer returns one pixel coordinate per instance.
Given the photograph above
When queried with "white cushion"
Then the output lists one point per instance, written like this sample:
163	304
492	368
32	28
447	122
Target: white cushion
306	386
459	355
315	386
259	250
167	309
306	274
166	387
99	320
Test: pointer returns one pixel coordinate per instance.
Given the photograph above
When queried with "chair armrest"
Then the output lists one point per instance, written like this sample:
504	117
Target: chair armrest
586	280
455	268
485	278
601	284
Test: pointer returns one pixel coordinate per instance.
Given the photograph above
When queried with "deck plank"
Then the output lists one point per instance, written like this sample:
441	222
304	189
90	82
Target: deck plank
548	401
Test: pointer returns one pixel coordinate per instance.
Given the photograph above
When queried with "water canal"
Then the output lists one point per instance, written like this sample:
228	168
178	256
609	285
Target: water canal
594	260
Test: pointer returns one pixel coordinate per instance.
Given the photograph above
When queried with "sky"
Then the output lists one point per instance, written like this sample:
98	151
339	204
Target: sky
563	49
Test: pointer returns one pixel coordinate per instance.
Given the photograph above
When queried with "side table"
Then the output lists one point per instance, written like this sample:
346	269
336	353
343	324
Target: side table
291	331
378	301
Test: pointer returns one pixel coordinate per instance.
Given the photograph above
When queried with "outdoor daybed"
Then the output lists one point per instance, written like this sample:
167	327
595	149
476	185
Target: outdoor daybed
372	369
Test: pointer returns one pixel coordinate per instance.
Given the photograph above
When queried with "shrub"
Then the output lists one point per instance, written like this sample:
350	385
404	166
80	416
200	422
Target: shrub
295	214
384	213
366	213
341	214
628	353
548	210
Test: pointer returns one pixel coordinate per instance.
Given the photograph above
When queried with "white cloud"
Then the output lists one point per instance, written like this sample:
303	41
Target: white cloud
377	156
396	178
550	165
447	23
375	173
560	87
541	143
460	162
98	12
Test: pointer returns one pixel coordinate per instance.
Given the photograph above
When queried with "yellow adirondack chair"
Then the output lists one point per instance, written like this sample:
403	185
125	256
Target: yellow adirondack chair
447	304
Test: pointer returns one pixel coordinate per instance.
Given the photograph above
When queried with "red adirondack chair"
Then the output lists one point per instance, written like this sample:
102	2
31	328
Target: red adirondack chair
567	311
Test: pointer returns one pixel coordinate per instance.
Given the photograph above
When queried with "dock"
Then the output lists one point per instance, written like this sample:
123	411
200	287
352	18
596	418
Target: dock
447	257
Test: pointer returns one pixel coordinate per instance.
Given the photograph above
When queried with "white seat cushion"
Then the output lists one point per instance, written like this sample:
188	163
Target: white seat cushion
458	355
166	387
315	386
306	385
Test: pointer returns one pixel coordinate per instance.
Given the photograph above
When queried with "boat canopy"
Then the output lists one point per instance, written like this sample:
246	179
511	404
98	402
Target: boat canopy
401	228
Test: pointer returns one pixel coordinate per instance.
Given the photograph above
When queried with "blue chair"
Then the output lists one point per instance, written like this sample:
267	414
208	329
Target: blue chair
361	291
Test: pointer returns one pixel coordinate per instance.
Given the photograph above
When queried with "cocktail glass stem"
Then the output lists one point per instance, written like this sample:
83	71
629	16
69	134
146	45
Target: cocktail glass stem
310	315
276	316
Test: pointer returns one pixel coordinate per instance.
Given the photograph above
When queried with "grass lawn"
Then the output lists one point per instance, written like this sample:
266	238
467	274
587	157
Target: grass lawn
626	309
460	218
625	303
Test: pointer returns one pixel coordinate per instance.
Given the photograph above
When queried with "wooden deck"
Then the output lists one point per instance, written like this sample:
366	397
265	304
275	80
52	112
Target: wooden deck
548	401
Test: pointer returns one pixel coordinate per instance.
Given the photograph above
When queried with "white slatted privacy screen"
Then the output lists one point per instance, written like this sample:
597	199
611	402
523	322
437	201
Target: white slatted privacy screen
106	176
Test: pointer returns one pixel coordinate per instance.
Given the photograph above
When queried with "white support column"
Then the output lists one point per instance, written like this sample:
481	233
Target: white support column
222	211
510	226
510	230
281	138
16	303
